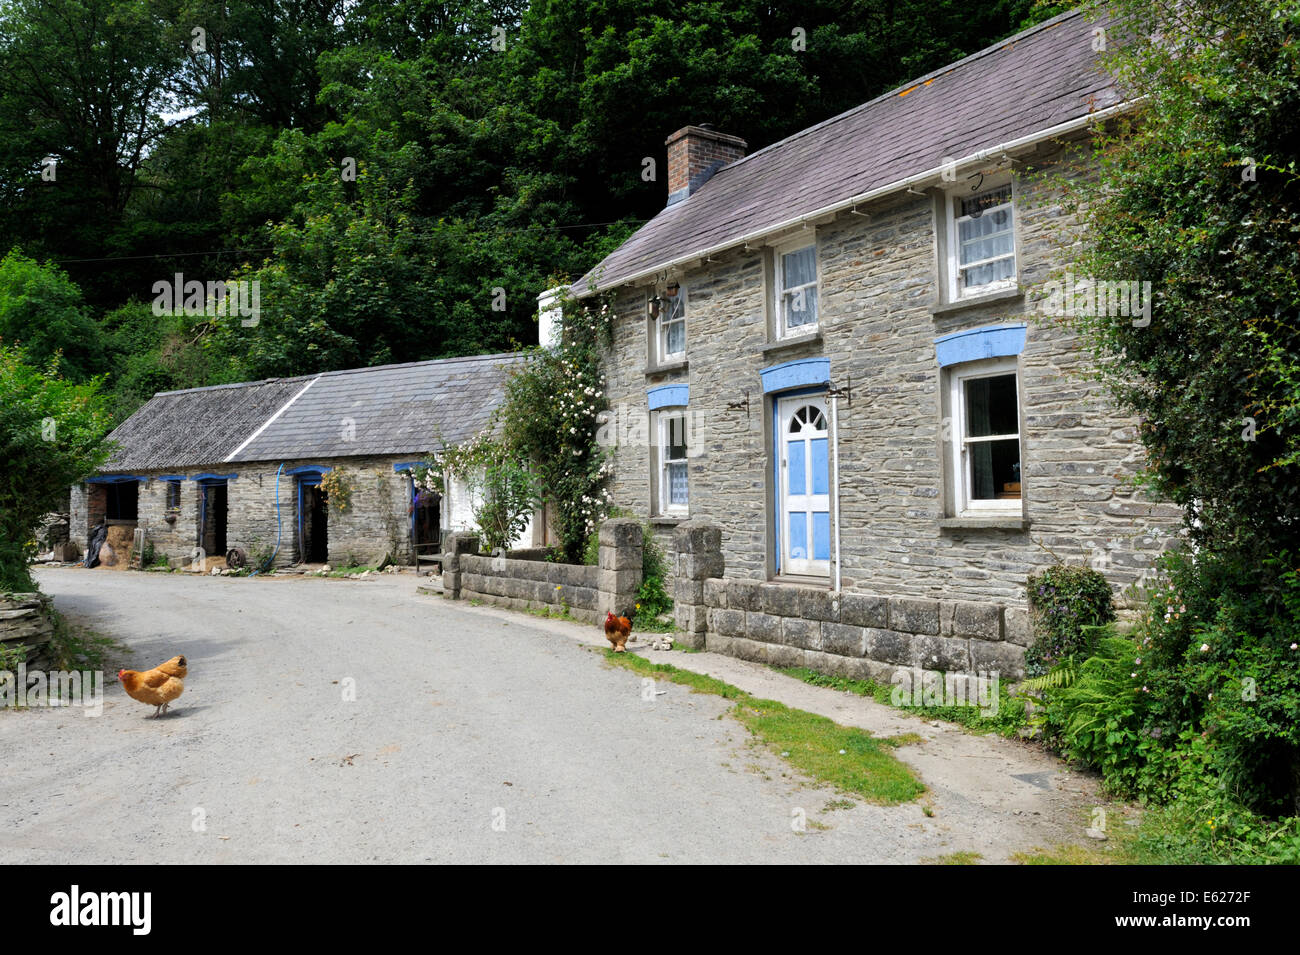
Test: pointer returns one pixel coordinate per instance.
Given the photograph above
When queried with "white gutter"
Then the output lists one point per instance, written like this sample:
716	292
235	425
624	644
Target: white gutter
271	420
897	185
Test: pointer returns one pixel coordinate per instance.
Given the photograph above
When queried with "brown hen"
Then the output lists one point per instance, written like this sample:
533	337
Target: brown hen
617	630
157	687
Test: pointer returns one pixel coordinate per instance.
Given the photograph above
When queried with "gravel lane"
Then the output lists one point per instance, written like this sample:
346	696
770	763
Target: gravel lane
475	735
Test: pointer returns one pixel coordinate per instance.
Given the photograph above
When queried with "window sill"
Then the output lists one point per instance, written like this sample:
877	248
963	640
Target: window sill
993	523
802	580
668	520
794	341
975	301
666	367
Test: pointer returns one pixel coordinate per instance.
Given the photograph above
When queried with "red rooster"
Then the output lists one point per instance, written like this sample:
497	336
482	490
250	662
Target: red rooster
617	630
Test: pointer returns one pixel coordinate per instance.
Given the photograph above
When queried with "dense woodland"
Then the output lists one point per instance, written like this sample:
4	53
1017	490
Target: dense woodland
380	166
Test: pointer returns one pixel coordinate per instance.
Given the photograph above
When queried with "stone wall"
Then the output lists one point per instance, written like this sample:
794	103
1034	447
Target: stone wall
25	621
519	584
531	585
878	322
863	636
585	592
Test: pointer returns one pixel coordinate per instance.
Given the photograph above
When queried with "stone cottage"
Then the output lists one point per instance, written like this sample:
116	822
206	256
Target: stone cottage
206	471
833	352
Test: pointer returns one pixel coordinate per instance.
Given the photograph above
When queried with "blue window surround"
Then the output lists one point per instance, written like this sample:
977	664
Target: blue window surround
214	477
993	341
668	396
310	469
170	477
116	479
799	373
407	466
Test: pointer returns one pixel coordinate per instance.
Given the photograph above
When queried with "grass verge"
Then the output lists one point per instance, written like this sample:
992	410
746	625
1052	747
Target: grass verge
850	759
954	858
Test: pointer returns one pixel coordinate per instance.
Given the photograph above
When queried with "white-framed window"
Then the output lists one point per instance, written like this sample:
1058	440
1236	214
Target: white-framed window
982	242
795	269
670	327
986	450
674	486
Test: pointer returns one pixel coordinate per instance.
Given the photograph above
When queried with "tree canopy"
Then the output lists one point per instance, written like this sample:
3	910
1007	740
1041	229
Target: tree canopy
402	177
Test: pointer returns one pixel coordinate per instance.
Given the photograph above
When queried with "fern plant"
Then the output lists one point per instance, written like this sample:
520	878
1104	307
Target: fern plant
1061	675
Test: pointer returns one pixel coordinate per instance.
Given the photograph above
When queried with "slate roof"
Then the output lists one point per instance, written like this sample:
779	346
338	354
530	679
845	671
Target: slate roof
1036	80
176	429
388	410
396	409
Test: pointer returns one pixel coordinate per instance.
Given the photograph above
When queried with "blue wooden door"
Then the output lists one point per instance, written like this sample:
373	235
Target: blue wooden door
805	487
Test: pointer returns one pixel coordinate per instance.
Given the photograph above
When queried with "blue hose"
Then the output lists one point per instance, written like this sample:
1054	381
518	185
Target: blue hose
271	562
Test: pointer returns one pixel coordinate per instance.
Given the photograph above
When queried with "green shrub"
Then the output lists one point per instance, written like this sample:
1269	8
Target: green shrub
1216	650
1107	718
590	551
260	556
51	436
652	599
1065	602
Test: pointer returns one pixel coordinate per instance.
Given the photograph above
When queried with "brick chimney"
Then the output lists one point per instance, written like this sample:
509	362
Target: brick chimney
695	153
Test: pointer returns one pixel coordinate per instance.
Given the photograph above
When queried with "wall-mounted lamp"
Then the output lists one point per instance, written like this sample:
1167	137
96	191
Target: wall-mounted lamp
671	289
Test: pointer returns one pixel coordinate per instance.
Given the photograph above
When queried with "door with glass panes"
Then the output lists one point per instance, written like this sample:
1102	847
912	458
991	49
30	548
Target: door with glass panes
805	503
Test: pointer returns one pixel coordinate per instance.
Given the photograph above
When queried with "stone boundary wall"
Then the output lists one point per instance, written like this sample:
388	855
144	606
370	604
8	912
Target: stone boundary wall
859	635
862	636
531	585
587	593
25	620
856	635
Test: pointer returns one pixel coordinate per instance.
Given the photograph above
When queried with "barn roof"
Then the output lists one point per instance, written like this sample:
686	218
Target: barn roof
1035	81
389	410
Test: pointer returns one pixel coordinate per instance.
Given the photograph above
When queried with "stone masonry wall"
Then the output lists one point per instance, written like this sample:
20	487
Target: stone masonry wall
863	636
531	585
878	283
585	592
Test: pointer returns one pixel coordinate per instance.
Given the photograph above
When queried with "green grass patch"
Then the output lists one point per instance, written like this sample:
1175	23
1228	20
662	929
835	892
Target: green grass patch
652	625
1008	720
954	858
553	613
1205	827
850	759
356	569
1069	854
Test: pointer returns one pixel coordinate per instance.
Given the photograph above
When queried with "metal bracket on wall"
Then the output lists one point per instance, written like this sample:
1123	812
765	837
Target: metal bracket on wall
834	391
738	405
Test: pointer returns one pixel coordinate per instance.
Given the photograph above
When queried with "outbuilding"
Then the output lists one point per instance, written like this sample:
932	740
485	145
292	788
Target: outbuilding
249	467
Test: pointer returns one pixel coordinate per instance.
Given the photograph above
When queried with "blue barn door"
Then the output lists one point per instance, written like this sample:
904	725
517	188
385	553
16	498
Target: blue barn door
805	487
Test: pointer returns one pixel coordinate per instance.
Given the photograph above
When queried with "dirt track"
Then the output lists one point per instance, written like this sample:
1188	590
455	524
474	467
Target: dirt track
464	717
